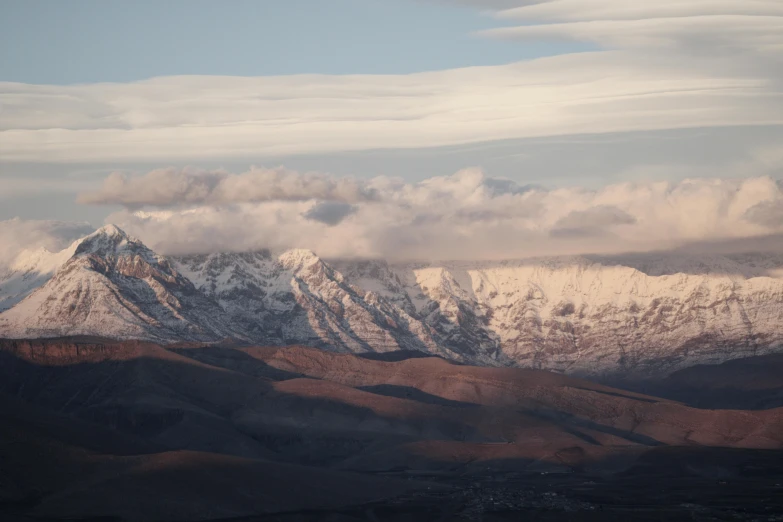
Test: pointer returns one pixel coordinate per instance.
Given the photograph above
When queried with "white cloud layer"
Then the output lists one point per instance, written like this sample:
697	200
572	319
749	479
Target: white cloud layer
464	216
17	235
664	65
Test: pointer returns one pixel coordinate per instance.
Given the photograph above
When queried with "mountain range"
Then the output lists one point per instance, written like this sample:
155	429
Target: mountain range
610	316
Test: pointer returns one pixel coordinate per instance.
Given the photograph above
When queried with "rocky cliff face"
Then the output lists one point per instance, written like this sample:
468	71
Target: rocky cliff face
587	316
297	298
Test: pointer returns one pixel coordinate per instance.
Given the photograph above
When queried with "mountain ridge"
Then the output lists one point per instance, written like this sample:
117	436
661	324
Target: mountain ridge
582	315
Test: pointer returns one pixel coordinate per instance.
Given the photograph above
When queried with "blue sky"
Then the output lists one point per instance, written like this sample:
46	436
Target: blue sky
85	41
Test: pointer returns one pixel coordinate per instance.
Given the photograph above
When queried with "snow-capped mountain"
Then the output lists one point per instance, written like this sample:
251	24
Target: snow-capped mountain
435	296
113	285
297	298
635	316
585	317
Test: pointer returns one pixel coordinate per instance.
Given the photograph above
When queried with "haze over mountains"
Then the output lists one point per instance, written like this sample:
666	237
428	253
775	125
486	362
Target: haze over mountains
620	316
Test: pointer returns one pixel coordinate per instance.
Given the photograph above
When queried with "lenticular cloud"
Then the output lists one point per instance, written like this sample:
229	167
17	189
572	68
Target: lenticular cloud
666	64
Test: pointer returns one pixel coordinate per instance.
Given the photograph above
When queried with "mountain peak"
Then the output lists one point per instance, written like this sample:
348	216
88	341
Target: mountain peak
111	231
298	258
109	239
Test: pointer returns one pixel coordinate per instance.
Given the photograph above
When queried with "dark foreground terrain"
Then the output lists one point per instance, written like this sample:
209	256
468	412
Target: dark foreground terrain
752	490
105	431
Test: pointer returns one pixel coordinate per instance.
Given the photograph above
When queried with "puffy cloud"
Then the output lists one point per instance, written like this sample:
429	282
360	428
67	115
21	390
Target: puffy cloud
17	235
668	64
767	214
594	221
471	216
464	216
330	212
173	187
160	187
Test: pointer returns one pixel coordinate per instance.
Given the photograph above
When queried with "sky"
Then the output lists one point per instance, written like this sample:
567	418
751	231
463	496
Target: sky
453	125
90	41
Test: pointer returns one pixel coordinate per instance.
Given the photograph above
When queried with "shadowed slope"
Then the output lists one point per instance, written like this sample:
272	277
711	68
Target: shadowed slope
754	383
545	395
248	406
60	467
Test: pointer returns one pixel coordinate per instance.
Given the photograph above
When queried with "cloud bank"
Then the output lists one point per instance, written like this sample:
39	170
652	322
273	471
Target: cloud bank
17	235
173	187
467	215
661	65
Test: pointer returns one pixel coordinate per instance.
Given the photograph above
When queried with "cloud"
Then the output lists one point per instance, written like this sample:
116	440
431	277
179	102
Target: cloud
190	186
17	235
469	215
485	4
594	221
751	33
172	187
663	65
330	212
768	214
575	10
